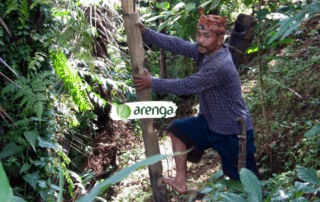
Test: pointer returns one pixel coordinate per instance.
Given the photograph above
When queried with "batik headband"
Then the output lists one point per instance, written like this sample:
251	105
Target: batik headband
212	23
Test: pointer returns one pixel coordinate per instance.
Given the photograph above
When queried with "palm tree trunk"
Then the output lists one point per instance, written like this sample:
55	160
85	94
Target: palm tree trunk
151	143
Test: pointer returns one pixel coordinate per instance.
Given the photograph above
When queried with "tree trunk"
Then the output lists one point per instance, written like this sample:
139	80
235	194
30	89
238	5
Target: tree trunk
151	143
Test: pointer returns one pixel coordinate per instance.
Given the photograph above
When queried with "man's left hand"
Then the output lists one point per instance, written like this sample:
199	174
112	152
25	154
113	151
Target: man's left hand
142	81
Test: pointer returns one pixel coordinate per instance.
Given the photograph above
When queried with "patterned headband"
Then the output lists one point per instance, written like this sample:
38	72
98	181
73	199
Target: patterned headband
213	23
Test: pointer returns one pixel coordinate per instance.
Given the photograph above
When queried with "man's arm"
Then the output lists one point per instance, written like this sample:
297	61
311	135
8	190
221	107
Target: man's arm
205	79
170	43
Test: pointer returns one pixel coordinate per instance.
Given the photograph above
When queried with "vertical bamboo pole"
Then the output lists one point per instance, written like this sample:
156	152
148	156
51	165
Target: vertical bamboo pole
151	143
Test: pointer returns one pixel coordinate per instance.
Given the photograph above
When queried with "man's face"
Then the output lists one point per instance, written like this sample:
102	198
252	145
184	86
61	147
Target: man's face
207	42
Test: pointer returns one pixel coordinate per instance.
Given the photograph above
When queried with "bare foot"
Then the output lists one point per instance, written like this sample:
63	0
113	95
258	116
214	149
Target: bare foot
180	187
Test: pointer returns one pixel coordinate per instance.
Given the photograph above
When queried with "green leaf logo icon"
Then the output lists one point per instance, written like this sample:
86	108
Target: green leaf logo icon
123	111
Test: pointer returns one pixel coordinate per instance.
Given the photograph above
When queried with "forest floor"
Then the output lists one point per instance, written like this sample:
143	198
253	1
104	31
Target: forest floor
293	107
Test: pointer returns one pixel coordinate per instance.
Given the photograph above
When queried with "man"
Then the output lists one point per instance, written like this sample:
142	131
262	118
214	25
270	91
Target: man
219	87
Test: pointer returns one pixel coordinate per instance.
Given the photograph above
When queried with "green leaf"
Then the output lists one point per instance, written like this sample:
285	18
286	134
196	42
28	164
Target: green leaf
280	58
9	150
178	6
252	49
5	189
154	18
283	9
314	131
43	143
299	186
300	199
42	183
122	175
287	23
206	190
164	24
248	2
274	191
203	5
231	197
261	14
25	167
31	136
32	179
292	28
165	5
18	199
123	111
234	184
190	6
216	4
308	175
216	175
251	184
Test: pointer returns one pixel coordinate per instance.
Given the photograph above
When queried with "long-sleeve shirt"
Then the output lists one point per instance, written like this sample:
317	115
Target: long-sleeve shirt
217	83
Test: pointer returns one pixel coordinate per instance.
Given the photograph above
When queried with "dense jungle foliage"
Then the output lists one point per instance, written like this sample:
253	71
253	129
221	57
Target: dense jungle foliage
64	63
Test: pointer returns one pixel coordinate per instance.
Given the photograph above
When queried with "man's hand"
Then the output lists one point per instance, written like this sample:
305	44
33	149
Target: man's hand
142	81
142	27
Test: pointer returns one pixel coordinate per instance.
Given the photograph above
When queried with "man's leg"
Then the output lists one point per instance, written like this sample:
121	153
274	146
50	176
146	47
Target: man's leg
180	182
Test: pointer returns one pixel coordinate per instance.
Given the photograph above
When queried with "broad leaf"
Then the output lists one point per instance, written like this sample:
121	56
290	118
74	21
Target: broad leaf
261	14
314	131
190	6
31	136
32	179
203	5
299	186
216	175
216	4
206	190
300	199
47	144
25	167
283	9
154	18
234	184
164	24
122	175
308	175
230	197
5	189
292	28
280	58
165	5
178	6
18	199
251	184
9	150
274	191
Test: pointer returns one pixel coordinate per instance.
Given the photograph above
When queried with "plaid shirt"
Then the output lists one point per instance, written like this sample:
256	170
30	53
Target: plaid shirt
217	83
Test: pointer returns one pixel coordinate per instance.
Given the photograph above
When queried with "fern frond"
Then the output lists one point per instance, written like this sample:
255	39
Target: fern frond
38	107
35	62
12	5
26	90
9	88
26	99
23	8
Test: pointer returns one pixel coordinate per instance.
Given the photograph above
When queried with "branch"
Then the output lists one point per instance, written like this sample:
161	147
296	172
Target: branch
10	80
5	113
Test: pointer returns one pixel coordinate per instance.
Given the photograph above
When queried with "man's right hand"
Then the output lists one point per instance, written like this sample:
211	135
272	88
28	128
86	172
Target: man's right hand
141	26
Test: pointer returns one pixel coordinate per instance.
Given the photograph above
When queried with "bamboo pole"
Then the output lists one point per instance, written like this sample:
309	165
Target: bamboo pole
151	143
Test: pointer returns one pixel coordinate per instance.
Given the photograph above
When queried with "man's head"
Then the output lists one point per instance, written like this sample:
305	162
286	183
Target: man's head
211	31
